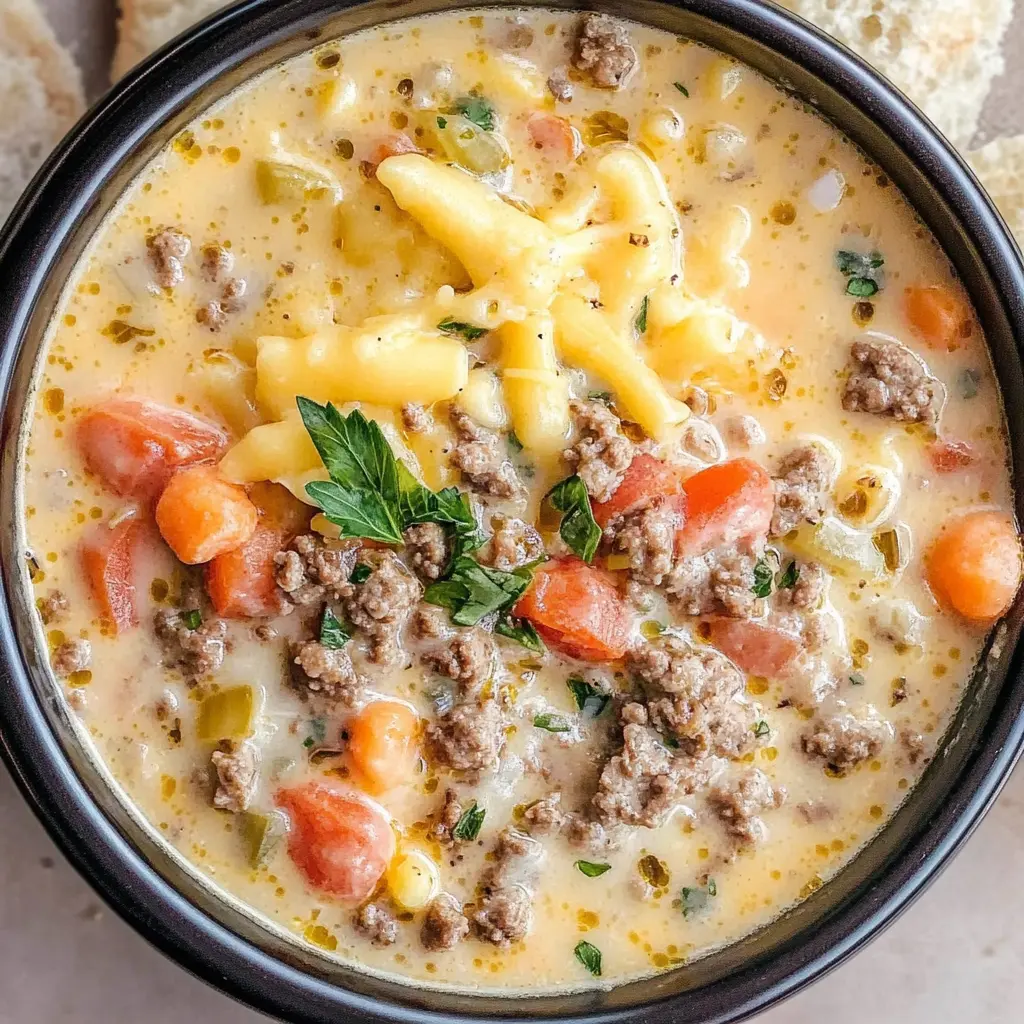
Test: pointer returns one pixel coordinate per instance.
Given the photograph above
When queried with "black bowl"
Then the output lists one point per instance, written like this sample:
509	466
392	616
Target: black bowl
150	887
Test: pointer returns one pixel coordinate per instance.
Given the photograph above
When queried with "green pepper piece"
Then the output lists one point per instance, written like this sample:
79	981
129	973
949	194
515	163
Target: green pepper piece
228	714
841	548
261	833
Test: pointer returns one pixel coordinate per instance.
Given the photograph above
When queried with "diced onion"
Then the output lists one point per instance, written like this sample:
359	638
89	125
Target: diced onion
827	192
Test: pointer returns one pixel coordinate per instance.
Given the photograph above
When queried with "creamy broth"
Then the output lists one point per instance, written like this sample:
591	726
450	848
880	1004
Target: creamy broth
735	294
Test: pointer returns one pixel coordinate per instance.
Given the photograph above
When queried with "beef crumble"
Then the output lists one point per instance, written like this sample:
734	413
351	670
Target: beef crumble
380	605
505	913
603	51
801	487
72	656
720	582
416	419
482	458
603	453
469	737
444	924
468	659
237	776
376	922
447	818
559	84
167	251
309	568
513	543
739	802
427	549
324	672
195	653
844	741
648	539
808	592
890	380
53	607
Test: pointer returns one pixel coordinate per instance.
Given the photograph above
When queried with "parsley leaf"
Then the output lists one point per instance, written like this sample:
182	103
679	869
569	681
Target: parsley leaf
761	728
478	110
696	899
551	723
763	577
601	396
333	633
514	444
317	732
579	529
467	828
592	870
862	270
468	332
442	122
360	574
590	956
472	591
640	323
193	618
520	630
682	88
861	287
856	679
590	700
787	581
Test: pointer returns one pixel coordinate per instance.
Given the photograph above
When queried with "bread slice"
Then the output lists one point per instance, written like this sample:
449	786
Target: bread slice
144	25
1000	165
42	95
943	54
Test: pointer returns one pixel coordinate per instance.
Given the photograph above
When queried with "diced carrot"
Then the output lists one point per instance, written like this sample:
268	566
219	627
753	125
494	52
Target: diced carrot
382	744
554	135
975	564
646	478
201	515
340	840
577	610
949	456
391	145
108	561
241	582
755	648
134	445
937	314
725	503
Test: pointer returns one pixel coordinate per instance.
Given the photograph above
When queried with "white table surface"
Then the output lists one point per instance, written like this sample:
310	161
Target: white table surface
956	957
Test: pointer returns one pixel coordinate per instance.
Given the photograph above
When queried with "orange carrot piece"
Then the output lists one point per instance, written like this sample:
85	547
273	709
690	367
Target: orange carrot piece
391	145
134	445
241	582
974	566
108	561
382	744
646	479
936	314
554	135
201	515
757	649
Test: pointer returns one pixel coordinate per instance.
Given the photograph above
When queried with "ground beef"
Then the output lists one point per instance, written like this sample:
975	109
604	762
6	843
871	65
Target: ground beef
603	453
720	582
469	737
517	860
844	740
482	457
738	803
447	817
381	604
71	656
642	783
214	314
889	380
700	440
444	924
559	85
468	659
603	51
648	539
898	622
694	696
237	776
324	672
427	549
913	744
809	590
429	622
801	488
193	652
376	922
416	418
545	817
513	543
505	916
744	432
53	607
264	632
167	250
589	835
217	263
309	568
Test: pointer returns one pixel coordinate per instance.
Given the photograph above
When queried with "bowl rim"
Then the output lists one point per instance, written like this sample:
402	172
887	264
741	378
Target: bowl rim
32	751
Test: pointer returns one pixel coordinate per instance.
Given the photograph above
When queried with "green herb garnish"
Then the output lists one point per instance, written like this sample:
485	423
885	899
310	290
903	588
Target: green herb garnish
579	529
592	870
514	444
640	321
761	728
551	723
696	899
590	700
442	122
862	271
333	633
472	590
787	581
317	732
601	396
478	110
520	630
861	287
467	828
193	619
590	956
360	574
856	679
763	578
468	332
682	88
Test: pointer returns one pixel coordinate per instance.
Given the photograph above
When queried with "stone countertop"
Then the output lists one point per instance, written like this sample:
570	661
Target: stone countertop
956	957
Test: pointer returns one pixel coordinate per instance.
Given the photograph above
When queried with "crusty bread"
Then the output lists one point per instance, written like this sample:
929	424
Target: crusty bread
943	54
42	95
144	25
1000	165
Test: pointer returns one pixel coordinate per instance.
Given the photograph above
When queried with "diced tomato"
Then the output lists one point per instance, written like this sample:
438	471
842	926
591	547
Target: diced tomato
382	744
577	610
725	503
949	456
340	840
134	445
241	582
390	145
755	648
201	515
554	135
108	560
646	478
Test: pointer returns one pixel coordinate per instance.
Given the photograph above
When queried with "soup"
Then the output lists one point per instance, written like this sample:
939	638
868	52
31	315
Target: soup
515	499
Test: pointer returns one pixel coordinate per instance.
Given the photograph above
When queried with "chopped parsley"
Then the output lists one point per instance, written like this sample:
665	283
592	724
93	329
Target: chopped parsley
360	574
862	271
856	679
551	723
601	396
694	900
468	332
640	322
333	633
472	590
787	581
442	122
682	88
579	529
317	732
520	630
592	870
478	110
590	700
193	618
467	828
763	577
761	728
514	444
590	956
